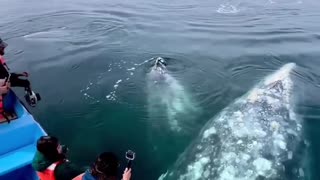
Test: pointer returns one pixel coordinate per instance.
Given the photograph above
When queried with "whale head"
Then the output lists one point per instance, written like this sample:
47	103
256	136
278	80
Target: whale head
160	63
159	70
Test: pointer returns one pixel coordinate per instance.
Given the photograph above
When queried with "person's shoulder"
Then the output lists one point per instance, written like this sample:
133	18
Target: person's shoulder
67	170
39	162
2	60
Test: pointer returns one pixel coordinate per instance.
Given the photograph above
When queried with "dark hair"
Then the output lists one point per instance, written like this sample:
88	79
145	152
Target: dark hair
106	166
47	145
1	51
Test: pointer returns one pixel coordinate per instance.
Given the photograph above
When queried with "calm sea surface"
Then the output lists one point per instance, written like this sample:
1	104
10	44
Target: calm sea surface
90	61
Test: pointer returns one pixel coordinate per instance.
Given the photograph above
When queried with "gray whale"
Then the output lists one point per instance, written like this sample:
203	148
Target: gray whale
251	139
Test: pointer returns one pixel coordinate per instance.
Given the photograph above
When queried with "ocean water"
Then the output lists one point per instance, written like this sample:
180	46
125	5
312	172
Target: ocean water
92	63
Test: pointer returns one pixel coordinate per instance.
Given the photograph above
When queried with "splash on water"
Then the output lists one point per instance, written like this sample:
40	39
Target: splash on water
116	66
112	95
86	94
227	9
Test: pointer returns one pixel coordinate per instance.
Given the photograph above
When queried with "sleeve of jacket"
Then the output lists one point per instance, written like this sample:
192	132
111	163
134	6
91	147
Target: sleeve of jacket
67	171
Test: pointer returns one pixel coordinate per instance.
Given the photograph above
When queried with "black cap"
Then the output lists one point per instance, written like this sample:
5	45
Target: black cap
3	44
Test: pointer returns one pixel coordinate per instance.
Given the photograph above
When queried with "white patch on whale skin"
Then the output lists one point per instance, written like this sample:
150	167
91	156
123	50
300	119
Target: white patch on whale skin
252	137
209	132
196	170
262	166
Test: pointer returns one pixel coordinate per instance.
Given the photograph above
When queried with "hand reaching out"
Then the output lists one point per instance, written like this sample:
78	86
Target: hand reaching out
127	174
25	74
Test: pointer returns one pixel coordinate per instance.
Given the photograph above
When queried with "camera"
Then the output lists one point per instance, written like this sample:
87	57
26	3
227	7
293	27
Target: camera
130	156
64	149
32	98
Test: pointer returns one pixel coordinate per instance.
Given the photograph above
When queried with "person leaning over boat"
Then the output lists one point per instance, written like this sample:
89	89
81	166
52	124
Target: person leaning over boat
4	85
50	160
15	79
105	167
4	89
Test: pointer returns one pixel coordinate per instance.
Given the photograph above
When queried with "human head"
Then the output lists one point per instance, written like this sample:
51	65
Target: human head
50	147
3	45
106	166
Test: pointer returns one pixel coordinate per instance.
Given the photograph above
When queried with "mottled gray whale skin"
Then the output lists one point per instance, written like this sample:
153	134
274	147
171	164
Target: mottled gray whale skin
251	139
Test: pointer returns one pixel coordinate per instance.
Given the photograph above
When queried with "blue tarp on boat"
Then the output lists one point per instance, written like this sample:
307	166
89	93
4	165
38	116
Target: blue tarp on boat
18	143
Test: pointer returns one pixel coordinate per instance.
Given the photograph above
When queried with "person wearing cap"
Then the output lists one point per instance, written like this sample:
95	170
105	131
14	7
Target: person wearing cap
105	167
14	78
50	160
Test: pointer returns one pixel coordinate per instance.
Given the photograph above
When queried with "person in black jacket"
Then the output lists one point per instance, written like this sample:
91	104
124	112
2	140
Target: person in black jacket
15	78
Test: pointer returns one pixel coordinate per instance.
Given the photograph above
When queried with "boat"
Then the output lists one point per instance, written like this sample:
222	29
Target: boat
18	142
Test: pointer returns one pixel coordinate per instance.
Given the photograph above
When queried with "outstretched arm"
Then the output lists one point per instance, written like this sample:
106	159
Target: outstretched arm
6	66
24	74
67	171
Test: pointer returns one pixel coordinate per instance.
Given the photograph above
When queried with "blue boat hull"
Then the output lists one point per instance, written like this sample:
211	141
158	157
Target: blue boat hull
18	143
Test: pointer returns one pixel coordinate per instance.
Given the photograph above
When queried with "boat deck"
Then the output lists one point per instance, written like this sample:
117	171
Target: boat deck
18	144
